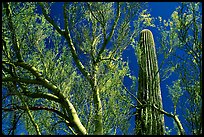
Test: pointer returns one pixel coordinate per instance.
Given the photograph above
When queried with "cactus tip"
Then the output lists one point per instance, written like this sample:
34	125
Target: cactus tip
146	30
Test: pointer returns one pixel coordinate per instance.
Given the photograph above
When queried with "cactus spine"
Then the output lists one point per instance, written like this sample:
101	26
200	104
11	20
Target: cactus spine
148	120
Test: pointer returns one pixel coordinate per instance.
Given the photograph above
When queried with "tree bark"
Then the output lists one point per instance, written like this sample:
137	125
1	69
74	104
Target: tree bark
97	104
148	120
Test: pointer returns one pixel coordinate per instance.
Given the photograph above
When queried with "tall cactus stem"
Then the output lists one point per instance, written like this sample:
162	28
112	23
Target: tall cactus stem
148	120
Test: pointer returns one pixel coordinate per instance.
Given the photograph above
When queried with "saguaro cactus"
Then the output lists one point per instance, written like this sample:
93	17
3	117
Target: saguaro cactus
148	120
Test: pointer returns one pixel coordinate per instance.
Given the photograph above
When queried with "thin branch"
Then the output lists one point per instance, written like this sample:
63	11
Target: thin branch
12	31
109	58
49	19
67	36
175	117
89	7
35	108
30	68
5	50
106	40
29	113
133	95
74	119
16	121
47	96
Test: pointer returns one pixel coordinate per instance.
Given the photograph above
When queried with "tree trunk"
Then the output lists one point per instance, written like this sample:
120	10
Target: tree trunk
149	121
97	105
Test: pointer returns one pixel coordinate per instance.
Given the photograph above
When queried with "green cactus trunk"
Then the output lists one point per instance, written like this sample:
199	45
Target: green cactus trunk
148	120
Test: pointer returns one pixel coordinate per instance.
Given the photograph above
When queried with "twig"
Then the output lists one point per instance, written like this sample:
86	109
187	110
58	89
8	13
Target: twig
175	117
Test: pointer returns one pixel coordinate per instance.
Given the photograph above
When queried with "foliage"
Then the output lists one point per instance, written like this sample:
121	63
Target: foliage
34	34
58	72
181	44
64	65
175	93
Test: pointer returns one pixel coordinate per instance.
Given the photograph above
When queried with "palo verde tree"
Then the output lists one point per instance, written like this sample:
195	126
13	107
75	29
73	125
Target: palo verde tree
64	75
66	80
181	45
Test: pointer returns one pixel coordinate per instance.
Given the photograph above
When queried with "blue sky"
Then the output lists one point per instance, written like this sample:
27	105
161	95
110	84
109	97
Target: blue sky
163	9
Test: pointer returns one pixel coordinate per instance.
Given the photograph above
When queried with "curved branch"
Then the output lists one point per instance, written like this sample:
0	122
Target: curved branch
23	80
67	36
66	124
175	117
49	97
30	68
42	95
74	119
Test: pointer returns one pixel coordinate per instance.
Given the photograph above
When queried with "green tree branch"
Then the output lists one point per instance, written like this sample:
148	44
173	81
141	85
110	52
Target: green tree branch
12	31
67	36
175	117
106	40
74	119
